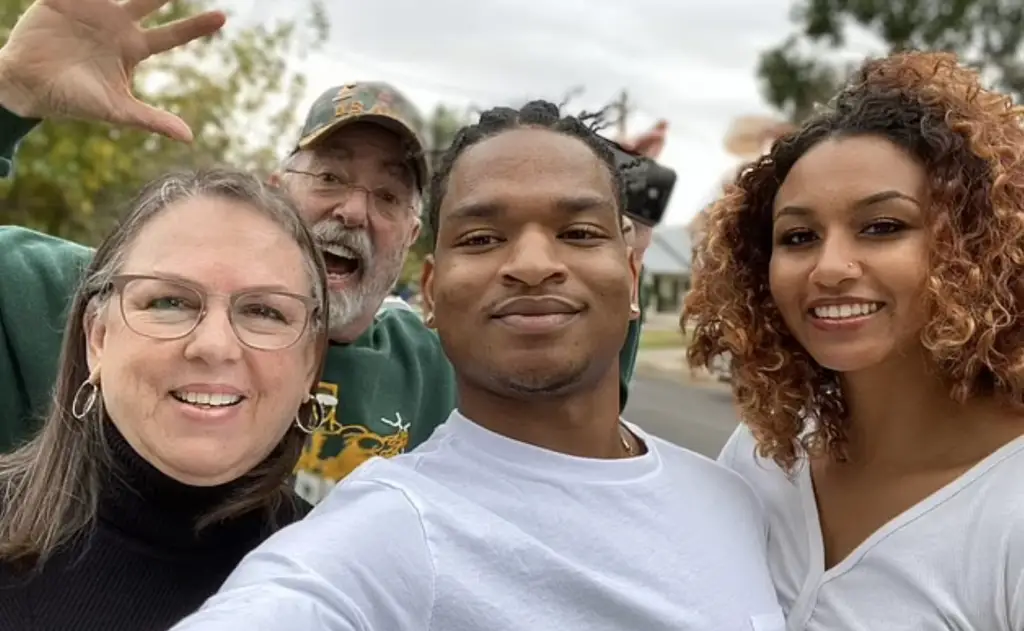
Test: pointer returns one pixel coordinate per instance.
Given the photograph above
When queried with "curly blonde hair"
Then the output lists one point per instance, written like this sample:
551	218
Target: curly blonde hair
971	142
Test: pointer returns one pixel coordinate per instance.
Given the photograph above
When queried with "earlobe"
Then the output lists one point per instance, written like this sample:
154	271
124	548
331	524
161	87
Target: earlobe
427	290
635	274
417	228
95	328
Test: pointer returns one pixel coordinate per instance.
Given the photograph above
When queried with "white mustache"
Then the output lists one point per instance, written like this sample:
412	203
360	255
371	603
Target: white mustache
340	241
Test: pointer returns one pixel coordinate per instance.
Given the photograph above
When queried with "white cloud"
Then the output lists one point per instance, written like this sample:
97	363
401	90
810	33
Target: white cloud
691	62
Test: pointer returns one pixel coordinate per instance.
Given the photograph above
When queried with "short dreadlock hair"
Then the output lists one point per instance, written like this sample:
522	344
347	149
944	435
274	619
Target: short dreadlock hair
535	114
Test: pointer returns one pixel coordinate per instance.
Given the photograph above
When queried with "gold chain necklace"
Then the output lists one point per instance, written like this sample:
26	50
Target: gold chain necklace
626	443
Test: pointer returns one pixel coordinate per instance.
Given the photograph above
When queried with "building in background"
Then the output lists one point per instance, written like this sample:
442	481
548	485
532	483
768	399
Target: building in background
667	269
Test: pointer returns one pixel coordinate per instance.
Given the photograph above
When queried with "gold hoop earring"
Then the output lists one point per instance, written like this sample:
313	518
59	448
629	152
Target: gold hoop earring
85	399
634	309
316	412
428	319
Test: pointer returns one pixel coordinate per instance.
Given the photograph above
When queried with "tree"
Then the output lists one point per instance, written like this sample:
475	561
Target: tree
236	91
438	133
987	34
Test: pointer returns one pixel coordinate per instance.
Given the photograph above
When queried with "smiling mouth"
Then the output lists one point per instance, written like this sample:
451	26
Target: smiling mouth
206	400
851	311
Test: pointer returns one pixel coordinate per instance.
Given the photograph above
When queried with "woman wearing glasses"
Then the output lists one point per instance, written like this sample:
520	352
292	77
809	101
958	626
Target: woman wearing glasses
181	406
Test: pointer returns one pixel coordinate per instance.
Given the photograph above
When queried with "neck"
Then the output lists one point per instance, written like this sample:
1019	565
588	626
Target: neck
153	508
901	416
583	423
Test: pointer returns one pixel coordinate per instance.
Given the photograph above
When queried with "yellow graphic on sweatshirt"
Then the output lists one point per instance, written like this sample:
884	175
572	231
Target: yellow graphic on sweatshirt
324	461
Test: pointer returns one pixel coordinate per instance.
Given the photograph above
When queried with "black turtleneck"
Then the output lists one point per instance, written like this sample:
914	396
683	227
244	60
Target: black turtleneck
142	568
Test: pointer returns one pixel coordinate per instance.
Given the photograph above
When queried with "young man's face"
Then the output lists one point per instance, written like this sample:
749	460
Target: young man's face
532	279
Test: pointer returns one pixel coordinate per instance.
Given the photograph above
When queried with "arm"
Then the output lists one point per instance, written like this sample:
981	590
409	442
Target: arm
14	125
38	277
358	562
13	129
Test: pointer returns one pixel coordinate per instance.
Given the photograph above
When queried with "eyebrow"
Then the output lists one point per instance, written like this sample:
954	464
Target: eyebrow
875	198
171	276
401	169
490	210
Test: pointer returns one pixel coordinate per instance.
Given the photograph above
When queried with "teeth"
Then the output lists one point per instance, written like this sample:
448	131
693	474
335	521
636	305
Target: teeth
840	312
208	399
341	252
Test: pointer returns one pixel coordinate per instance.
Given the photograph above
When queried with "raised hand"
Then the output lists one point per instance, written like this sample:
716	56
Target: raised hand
76	58
650	143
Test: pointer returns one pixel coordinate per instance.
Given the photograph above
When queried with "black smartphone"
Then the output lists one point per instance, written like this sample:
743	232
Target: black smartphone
649	185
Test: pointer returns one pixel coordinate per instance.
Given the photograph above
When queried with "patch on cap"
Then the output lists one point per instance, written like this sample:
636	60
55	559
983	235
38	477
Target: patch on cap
371	102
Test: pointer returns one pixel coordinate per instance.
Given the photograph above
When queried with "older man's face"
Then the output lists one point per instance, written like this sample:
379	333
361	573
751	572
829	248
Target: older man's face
357	190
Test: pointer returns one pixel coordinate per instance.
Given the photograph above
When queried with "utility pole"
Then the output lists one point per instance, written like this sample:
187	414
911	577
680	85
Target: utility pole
622	106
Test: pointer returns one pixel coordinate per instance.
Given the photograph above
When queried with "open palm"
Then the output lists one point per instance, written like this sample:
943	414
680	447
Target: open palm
76	58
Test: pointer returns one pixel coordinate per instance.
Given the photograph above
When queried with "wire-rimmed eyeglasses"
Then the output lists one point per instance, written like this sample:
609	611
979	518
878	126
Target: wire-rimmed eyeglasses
386	201
167	309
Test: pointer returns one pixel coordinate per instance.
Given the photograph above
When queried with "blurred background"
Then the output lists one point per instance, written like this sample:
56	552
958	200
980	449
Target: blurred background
728	76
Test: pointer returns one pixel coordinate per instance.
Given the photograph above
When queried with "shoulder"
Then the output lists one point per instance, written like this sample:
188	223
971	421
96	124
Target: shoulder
360	556
702	471
394	325
18	240
740	455
372	515
402	335
994	508
29	255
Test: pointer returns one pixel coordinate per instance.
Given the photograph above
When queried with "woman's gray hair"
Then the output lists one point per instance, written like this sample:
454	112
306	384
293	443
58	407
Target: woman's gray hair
51	485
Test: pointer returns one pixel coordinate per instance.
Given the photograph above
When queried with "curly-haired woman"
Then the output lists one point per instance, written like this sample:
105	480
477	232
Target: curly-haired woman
867	277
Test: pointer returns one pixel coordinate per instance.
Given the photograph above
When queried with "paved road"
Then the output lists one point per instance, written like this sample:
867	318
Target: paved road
697	418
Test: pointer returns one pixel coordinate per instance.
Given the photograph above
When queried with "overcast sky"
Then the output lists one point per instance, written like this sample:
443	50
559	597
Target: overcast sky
689	61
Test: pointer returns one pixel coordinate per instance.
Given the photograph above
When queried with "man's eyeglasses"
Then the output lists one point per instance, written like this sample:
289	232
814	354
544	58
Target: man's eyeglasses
166	309
388	201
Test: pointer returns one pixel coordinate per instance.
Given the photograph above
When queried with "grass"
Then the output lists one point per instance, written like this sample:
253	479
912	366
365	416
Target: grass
661	339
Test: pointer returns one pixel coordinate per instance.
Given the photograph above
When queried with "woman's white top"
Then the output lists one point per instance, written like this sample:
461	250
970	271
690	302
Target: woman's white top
953	561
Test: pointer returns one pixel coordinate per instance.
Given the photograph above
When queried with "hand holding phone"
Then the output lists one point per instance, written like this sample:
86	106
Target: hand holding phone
649	185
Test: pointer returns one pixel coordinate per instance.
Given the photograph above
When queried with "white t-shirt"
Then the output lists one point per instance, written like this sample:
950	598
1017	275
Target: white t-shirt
473	531
953	561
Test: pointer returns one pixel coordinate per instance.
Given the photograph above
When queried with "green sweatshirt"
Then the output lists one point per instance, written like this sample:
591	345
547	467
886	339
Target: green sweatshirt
384	393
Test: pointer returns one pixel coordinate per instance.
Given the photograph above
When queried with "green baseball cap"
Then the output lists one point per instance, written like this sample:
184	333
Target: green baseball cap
371	102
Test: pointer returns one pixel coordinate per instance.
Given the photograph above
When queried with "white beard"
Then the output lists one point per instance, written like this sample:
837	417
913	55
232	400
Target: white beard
365	297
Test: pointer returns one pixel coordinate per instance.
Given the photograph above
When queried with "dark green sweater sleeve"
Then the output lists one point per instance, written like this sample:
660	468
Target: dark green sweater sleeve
12	129
38	277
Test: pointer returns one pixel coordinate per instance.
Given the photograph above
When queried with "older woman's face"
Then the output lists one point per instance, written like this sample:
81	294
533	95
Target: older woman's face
205	408
850	251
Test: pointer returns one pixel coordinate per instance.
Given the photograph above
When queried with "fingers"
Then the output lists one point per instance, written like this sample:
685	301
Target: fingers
137	114
139	9
181	32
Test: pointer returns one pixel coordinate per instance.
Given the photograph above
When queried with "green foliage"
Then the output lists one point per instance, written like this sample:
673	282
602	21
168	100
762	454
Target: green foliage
235	90
985	33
